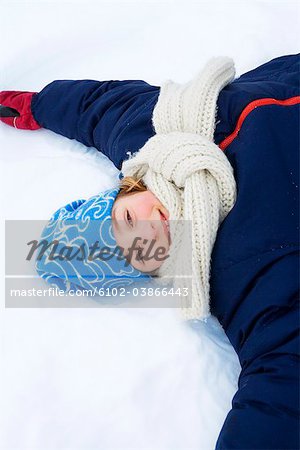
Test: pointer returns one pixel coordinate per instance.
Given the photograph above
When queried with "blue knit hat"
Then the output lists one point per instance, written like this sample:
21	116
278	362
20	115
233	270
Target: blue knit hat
80	251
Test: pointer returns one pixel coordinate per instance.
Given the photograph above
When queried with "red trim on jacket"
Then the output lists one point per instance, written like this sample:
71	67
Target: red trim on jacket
250	107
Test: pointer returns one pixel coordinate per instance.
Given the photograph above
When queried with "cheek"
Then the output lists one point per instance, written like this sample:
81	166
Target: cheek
145	204
144	210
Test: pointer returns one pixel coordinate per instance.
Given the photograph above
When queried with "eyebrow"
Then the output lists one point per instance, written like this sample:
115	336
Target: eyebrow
113	215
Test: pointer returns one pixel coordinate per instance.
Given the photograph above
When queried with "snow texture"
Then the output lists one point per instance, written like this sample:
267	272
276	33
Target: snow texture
113	378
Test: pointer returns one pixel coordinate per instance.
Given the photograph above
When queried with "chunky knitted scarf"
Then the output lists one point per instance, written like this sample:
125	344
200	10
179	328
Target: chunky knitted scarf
190	176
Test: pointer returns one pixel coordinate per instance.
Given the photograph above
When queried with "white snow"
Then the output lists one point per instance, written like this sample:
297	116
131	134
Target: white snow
114	378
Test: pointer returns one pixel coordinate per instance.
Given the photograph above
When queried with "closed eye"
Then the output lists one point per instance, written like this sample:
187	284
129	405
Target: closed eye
128	216
140	255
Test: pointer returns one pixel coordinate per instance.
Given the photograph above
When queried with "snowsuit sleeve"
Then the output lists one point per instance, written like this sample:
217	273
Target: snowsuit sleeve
265	409
112	116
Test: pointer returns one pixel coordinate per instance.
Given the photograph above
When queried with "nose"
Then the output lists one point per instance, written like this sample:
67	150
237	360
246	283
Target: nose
148	230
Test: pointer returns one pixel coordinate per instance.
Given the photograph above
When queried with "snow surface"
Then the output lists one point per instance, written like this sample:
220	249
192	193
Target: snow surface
113	378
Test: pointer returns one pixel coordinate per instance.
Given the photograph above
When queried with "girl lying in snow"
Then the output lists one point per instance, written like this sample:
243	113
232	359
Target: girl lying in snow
222	153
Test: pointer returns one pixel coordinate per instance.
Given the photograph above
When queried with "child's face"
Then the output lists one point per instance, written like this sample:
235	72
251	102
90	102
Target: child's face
141	228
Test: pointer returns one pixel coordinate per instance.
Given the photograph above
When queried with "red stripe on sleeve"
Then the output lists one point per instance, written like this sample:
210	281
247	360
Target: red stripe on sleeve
249	108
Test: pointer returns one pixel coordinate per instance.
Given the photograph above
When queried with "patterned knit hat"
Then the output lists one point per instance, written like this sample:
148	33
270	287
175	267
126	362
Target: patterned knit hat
81	251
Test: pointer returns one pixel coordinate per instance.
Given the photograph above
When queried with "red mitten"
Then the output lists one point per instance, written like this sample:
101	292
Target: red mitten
21	103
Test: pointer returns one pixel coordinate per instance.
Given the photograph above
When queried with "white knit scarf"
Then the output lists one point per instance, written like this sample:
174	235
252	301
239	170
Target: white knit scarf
190	176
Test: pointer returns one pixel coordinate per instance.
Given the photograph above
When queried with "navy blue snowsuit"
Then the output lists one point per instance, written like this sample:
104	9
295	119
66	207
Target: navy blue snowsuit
255	259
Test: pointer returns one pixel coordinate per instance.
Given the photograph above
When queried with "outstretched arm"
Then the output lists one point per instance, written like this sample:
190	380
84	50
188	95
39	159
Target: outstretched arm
112	116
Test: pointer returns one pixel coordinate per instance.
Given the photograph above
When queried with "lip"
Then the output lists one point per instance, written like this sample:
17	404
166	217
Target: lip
164	219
